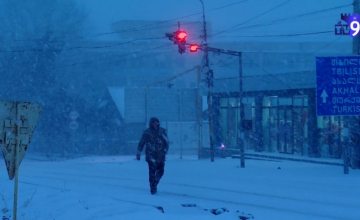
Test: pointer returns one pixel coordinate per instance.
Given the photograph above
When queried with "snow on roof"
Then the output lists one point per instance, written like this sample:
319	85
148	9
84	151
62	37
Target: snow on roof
118	95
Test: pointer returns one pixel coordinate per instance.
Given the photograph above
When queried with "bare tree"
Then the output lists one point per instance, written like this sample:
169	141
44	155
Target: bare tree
33	35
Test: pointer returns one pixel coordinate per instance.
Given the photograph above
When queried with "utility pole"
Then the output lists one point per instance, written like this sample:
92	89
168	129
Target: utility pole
242	114
179	38
241	94
355	156
199	112
209	80
356	40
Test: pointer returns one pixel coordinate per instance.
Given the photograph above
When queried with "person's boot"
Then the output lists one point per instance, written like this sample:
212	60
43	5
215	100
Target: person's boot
153	188
157	178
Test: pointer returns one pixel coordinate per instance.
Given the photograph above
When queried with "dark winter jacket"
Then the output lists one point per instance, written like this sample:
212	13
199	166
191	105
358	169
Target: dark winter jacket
156	141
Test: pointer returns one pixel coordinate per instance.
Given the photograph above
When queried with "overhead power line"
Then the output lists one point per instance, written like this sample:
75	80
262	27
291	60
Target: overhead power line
292	17
121	55
252	18
14	50
141	28
275	76
284	35
155	26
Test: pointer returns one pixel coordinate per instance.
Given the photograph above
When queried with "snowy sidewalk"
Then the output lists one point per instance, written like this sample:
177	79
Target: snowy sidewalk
279	156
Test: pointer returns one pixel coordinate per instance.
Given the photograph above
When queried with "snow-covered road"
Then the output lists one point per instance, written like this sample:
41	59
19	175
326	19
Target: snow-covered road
116	187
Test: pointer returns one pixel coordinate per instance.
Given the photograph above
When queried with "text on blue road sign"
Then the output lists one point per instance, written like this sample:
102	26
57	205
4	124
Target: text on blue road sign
338	85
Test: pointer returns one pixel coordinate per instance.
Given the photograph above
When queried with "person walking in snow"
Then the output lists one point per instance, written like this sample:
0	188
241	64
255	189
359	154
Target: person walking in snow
157	145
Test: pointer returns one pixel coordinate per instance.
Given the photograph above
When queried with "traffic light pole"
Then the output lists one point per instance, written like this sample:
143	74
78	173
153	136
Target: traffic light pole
179	38
209	79
242	112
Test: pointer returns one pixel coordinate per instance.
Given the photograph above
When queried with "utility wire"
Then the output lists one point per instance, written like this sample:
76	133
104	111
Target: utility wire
76	48
142	28
292	17
107	58
221	62
326	45
302	55
186	16
151	26
284	35
251	18
273	75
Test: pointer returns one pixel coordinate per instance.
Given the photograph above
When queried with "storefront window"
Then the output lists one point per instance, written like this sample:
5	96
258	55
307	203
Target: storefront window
233	102
224	102
285	101
330	135
249	100
284	123
270	101
266	102
274	101
266	128
223	125
273	129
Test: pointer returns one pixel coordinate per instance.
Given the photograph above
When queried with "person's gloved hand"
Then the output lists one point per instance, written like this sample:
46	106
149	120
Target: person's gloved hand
137	156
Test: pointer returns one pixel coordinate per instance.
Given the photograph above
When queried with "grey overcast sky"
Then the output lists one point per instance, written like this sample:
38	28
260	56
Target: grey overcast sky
238	14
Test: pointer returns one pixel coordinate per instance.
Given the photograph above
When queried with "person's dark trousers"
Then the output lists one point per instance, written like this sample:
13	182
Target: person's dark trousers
156	171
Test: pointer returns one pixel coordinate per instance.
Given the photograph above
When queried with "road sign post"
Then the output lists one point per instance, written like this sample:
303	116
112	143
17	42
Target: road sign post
338	92
18	121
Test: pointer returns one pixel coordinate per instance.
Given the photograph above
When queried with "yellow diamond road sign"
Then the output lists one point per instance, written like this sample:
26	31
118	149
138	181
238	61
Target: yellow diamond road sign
18	121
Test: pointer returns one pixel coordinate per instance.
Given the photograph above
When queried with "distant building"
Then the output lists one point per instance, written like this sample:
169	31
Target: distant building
278	84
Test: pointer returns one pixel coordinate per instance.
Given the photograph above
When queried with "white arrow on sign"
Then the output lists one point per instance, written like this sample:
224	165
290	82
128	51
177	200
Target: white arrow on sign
324	95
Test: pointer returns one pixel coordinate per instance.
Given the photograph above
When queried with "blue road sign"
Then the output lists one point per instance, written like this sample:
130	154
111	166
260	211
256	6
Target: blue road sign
338	85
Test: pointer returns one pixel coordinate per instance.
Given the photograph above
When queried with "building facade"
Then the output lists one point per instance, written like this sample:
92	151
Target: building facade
279	94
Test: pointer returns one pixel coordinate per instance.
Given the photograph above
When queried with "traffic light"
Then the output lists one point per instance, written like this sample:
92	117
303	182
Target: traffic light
194	47
179	38
182	47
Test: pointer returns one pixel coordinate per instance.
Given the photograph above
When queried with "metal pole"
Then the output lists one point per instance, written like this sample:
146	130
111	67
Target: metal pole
17	161
210	124
242	114
355	155
180	120
199	114
345	147
209	84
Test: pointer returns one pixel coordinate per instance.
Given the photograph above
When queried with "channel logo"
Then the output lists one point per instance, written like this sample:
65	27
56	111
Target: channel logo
352	26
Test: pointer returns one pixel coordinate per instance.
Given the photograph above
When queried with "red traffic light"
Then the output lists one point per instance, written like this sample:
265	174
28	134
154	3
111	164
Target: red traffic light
194	47
181	35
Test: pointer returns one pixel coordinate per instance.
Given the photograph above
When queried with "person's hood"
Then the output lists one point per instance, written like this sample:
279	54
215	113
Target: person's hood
153	119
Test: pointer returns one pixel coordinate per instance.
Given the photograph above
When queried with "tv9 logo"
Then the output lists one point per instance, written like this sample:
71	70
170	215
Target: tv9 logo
352	27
